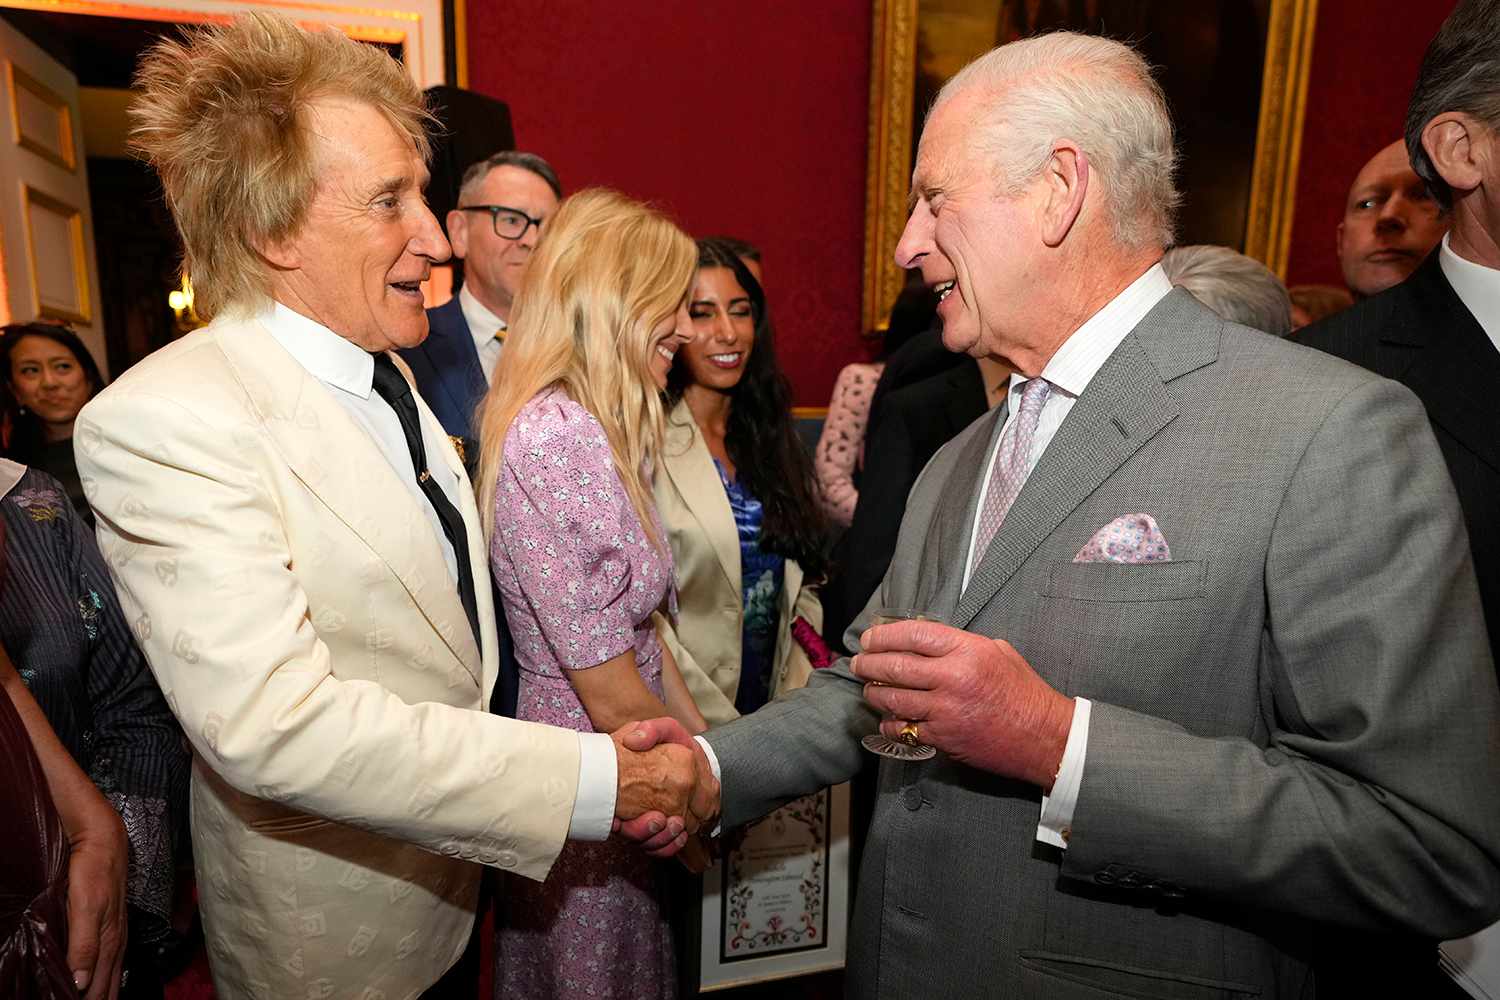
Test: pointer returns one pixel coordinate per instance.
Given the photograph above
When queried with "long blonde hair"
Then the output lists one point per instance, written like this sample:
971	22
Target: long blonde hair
606	273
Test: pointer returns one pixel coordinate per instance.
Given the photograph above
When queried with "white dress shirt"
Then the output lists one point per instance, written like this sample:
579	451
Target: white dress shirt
1477	287
348	371
1070	371
483	325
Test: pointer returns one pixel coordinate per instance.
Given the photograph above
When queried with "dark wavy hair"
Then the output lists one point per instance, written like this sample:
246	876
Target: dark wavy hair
761	437
26	436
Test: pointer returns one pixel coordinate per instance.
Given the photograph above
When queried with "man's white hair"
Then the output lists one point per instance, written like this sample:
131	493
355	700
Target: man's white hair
1236	287
1094	92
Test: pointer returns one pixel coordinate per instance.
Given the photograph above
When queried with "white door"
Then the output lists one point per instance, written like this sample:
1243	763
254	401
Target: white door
46	230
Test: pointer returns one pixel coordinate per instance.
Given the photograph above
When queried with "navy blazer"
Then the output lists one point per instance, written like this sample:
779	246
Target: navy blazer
448	374
449	377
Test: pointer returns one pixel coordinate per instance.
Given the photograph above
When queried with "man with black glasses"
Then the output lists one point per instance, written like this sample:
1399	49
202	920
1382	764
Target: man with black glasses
503	203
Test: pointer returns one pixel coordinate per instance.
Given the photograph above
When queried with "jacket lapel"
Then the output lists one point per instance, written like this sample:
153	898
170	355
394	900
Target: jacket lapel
1454	366
342	466
948	534
691	468
1124	406
450	348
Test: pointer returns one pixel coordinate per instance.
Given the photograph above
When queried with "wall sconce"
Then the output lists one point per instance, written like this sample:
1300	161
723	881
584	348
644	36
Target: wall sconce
180	299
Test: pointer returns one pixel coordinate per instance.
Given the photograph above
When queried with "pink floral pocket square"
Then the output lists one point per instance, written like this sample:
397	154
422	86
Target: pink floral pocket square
1129	538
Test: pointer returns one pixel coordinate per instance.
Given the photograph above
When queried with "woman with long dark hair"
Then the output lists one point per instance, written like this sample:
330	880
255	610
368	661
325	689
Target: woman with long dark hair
49	375
737	494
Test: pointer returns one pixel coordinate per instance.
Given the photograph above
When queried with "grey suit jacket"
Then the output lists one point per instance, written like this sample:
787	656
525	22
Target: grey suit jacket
1295	724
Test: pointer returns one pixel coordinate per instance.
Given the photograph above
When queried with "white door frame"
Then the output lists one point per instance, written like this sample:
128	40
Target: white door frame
415	25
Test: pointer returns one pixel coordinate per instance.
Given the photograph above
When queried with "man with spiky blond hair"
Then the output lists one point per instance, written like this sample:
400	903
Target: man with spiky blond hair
297	544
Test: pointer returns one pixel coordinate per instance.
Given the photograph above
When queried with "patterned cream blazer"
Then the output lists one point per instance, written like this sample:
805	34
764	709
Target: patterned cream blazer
295	607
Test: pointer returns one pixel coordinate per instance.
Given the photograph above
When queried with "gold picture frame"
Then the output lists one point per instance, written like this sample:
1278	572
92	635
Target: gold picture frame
72	217
893	57
62	154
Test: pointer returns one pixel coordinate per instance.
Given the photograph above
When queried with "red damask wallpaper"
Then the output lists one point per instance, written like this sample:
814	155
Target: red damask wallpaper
744	119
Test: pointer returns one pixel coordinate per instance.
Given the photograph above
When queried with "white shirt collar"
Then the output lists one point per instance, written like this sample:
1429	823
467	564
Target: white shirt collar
329	358
482	322
1081	356
1477	287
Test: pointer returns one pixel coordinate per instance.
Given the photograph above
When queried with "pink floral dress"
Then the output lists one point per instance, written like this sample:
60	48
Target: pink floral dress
579	579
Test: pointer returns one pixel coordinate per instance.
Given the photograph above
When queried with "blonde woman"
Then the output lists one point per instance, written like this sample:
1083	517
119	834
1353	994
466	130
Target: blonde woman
571	430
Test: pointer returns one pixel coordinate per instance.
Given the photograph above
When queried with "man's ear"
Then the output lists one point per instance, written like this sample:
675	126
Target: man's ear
284	254
458	232
1066	177
1338	241
1448	140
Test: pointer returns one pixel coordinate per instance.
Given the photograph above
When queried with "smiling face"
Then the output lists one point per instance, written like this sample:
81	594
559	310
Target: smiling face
1390	223
667	337
971	242
494	265
48	380
724	328
357	262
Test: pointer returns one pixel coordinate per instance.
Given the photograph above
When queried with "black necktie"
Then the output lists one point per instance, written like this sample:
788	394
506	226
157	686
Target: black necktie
395	391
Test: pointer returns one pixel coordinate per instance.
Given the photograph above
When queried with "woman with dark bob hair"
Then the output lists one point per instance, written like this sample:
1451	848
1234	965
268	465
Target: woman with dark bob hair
49	374
737	494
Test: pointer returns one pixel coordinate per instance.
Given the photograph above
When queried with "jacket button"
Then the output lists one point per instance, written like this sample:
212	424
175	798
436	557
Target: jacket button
911	798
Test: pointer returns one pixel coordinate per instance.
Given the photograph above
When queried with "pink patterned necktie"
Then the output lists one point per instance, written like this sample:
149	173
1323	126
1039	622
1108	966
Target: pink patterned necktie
1013	462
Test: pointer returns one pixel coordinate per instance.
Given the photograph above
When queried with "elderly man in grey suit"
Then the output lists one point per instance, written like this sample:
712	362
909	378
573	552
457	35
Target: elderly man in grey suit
1213	686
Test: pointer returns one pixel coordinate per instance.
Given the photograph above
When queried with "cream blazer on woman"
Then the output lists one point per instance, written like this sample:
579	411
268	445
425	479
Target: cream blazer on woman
295	606
706	558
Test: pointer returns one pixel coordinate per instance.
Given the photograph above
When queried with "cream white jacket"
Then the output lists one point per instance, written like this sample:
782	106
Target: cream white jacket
296	609
707	636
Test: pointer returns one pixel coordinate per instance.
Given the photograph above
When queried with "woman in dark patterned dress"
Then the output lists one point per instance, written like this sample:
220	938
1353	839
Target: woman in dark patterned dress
62	626
569	434
740	503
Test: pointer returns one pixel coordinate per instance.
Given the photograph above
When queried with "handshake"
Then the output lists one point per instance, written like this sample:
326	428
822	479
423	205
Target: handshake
668	798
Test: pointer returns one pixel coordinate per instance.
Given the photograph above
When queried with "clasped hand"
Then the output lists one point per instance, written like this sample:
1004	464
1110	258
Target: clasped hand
668	794
974	698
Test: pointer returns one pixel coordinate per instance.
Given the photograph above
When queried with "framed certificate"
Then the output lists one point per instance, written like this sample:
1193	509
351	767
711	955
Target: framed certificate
777	903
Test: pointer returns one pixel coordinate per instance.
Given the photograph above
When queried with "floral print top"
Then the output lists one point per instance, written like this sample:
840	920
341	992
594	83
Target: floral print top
761	577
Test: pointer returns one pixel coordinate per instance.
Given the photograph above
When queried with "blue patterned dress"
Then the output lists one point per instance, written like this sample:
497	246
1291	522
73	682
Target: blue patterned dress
761	576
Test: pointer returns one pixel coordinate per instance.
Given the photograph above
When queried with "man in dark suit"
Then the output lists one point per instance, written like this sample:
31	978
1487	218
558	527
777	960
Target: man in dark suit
503	203
1439	331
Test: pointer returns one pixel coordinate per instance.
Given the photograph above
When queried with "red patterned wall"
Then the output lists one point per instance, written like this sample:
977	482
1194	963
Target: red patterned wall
1365	59
745	119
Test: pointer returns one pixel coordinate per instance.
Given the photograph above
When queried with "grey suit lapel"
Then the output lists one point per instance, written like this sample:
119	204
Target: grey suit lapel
1124	406
948	535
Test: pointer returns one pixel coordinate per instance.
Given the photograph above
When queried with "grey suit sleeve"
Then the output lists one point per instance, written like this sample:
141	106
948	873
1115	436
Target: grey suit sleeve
1372	798
810	738
797	744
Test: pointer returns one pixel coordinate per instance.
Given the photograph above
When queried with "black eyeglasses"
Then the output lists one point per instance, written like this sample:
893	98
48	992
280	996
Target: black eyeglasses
510	223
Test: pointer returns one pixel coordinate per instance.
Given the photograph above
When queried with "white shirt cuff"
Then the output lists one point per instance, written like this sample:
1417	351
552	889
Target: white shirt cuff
1055	826
598	781
713	762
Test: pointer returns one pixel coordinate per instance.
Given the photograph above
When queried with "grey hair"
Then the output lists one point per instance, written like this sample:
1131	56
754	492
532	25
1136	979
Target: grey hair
477	172
1095	92
1234	286
1460	72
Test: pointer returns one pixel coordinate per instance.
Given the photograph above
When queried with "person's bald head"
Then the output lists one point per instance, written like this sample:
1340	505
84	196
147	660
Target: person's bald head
1391	222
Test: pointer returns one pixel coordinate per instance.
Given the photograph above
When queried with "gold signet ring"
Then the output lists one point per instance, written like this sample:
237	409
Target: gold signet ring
909	734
